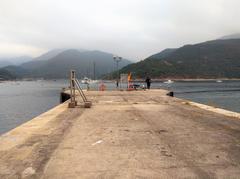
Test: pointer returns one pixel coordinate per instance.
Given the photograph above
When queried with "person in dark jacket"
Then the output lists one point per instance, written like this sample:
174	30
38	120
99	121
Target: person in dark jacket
148	81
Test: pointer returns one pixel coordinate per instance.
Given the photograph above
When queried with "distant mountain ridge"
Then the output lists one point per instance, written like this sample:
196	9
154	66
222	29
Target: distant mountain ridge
38	61
16	71
57	64
50	54
5	63
232	36
212	59
6	75
60	65
14	60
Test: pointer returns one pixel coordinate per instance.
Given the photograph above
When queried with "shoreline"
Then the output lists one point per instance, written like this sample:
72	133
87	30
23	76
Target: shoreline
188	80
137	80
217	110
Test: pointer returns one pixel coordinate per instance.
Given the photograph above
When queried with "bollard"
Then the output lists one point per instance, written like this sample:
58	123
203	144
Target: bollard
171	93
64	97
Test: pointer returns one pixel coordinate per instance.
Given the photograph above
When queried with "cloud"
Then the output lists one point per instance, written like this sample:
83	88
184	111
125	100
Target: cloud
130	28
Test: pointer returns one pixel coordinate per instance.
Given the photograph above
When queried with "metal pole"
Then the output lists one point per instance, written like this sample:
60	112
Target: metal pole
117	59
73	81
117	70
71	86
94	70
72	103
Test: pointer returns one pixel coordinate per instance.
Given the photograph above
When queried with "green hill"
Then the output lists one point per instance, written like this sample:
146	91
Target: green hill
212	59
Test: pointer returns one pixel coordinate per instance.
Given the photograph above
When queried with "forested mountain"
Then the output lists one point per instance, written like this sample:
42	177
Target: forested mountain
212	59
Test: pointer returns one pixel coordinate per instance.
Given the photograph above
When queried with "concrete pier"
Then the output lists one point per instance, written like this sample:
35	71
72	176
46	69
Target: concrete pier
137	134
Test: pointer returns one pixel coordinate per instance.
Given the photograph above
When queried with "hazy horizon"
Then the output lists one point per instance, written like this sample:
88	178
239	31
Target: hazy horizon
129	28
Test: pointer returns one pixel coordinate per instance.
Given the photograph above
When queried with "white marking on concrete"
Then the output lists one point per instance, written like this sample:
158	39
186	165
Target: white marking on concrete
98	142
28	172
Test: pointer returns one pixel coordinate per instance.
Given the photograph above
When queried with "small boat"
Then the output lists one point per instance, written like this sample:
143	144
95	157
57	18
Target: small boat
86	80
94	81
168	82
219	81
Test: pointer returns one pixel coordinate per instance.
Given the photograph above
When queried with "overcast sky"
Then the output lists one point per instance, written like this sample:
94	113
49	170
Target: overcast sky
133	29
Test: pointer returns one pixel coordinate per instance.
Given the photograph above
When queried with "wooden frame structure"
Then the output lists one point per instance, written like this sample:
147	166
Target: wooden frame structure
75	85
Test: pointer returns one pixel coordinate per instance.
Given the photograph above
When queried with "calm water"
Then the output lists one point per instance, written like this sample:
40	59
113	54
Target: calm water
21	101
224	95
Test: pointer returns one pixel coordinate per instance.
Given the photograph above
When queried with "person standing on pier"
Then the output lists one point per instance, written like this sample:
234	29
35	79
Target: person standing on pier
148	81
117	83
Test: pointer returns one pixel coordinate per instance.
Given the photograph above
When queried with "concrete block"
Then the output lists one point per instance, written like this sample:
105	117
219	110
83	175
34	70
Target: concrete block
87	104
71	105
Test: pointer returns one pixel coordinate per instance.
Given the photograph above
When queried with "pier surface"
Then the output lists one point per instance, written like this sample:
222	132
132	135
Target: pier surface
138	134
